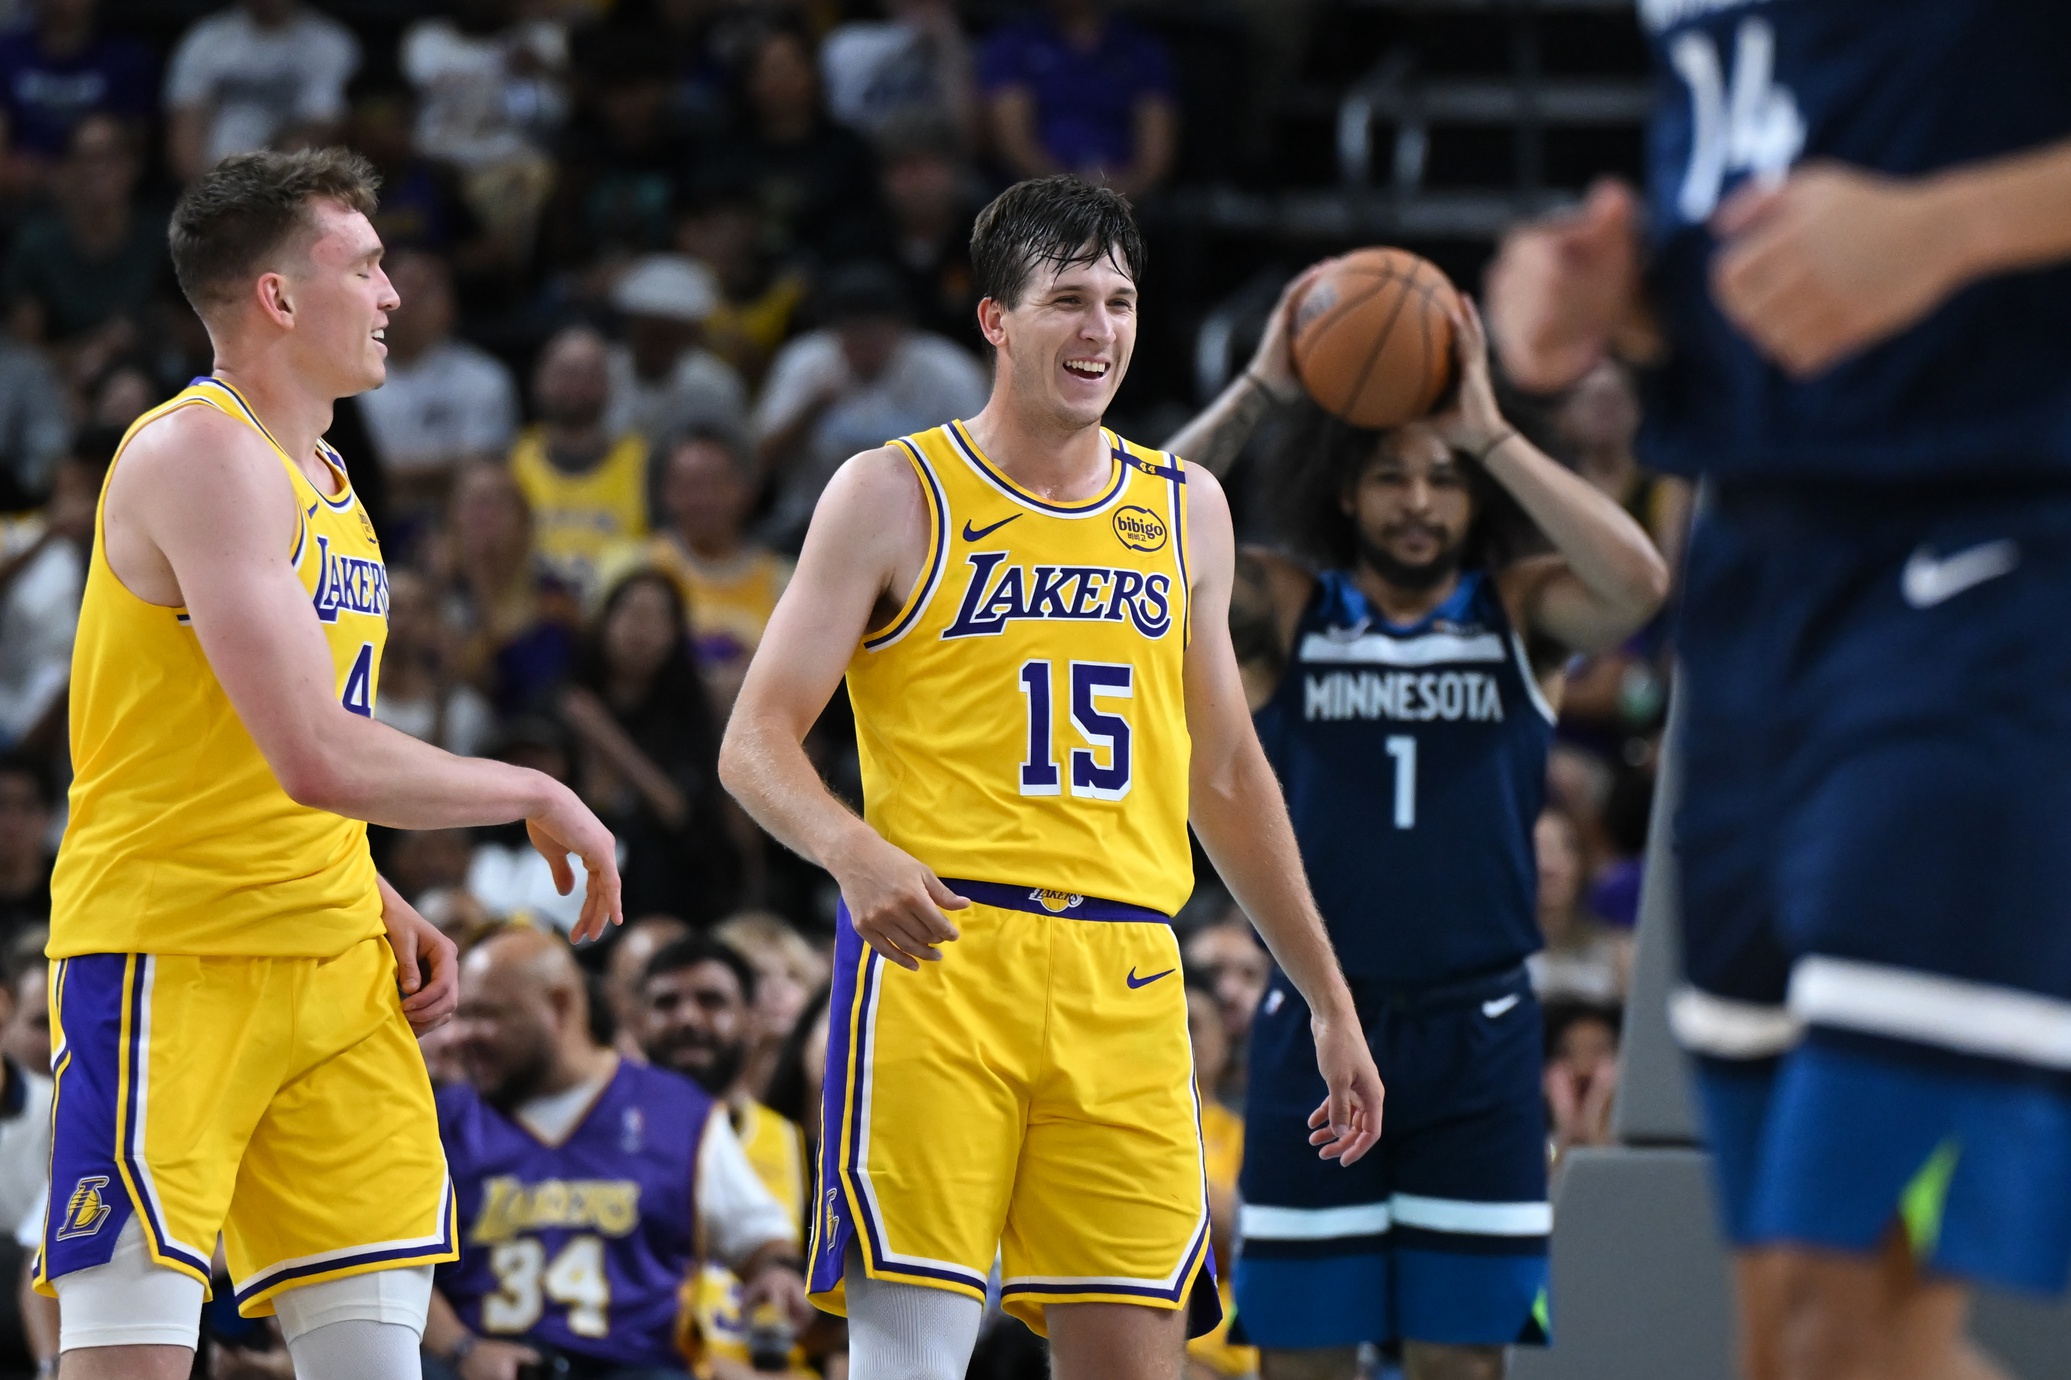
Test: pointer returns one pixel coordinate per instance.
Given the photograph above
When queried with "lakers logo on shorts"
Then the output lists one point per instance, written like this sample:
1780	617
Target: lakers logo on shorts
1056	902
86	1210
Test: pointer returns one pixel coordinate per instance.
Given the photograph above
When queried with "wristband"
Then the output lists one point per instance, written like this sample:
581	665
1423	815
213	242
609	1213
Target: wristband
1262	386
1486	451
460	1349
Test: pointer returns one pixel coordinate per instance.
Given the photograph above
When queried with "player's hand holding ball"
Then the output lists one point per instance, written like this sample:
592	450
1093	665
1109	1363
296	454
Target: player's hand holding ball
894	900
1474	423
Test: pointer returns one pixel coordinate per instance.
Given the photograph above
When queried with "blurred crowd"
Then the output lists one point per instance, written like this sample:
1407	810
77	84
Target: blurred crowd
663	266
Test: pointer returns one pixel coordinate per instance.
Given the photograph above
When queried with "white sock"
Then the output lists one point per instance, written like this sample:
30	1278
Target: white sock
907	1331
357	1349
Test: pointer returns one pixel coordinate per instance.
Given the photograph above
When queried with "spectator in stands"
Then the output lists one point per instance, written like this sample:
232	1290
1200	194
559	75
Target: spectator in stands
721	228
260	74
928	192
42	579
420	862
1597	420
1078	90
506	873
445	402
80	276
665	1179
914	62
788	970
514	621
421	693
1222	1156
56	71
846	388
25	1036
649	752
422	204
25	1093
663	379
625	967
489	95
1581	1073
35	424
587	484
698	1021
623	157
1227	959
25	851
811	180
1584	959
729	581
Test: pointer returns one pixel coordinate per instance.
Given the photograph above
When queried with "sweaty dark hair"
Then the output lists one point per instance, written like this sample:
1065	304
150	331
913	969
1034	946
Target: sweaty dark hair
695	950
240	211
1051	222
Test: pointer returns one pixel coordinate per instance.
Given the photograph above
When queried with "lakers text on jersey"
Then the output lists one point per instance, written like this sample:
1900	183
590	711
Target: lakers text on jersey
1022	724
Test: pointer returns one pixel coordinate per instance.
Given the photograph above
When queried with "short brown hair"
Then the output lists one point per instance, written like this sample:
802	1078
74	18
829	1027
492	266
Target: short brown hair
240	211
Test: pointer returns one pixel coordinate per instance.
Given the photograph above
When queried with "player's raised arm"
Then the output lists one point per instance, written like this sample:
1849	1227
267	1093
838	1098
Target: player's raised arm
1606	579
1237	810
863	552
200	509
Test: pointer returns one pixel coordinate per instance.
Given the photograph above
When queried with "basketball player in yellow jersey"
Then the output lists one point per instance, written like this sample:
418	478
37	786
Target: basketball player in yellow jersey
232	1050
1032	617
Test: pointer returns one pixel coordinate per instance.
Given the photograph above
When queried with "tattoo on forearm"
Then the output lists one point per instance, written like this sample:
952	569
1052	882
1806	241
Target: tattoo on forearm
1226	434
1254	630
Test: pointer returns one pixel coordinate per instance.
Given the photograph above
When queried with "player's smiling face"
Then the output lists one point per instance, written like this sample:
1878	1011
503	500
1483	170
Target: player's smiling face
342	299
1411	506
1066	345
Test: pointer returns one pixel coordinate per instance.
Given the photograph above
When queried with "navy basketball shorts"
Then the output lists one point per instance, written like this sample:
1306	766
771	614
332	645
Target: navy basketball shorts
1439	1233
1875	854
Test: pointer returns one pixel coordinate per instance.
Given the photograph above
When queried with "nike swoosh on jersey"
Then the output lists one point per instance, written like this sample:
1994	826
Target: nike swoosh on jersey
1135	981
1929	579
1493	1009
312	510
979	534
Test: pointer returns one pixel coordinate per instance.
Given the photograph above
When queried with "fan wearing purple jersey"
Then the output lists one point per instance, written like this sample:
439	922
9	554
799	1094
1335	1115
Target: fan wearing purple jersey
588	1187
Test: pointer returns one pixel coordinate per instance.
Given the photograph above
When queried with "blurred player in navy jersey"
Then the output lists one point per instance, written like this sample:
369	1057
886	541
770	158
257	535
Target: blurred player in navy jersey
1849	285
1410	732
588	1187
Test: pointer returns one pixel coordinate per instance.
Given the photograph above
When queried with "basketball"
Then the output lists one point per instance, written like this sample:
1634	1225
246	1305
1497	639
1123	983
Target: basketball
1373	343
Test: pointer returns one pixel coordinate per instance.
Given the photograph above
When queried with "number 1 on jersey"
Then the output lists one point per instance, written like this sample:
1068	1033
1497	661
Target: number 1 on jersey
1403	749
1091	681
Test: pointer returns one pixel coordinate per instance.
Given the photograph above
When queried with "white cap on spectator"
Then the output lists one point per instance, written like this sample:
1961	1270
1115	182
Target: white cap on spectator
667	285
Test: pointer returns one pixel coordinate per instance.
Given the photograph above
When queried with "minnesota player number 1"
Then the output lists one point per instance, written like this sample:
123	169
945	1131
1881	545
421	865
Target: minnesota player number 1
1403	749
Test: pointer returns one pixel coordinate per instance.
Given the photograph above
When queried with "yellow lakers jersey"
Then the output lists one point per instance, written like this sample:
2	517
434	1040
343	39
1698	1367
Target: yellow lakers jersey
775	1147
1023	718
181	840
576	517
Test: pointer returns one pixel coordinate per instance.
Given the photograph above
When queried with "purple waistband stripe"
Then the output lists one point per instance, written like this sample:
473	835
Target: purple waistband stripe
1045	901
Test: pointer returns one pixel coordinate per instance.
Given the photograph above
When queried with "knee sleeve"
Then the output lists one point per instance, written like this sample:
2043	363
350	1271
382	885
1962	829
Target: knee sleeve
390	1297
130	1301
907	1331
357	1350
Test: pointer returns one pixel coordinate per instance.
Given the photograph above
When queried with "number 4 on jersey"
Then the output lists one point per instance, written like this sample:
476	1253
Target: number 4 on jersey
1091	682
359	683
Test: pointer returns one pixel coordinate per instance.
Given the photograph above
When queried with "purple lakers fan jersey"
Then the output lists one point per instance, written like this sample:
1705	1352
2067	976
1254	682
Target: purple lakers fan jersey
583	1245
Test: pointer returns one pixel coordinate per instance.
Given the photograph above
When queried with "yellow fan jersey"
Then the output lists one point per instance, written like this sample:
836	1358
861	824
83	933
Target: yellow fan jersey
775	1147
577	517
181	840
1023	719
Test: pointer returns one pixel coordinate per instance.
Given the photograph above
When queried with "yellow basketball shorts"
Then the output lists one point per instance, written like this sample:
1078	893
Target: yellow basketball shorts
1031	1096
280	1101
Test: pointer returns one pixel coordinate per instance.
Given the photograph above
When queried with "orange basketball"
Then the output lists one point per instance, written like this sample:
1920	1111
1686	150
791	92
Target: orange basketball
1372	341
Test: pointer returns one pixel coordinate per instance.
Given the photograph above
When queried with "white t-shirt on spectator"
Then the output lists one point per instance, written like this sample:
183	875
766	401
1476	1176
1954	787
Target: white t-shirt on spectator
930	380
38	617
451	402
25	1160
513	881
702	390
261	80
737	1213
470	722
481	95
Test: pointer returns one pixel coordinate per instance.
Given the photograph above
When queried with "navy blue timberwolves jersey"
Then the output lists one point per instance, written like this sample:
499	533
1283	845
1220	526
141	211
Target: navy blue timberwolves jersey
1897	86
1414	762
582	1245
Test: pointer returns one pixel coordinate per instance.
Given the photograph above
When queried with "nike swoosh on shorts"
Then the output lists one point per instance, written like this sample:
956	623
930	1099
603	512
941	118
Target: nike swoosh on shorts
1929	579
1135	981
1497	1007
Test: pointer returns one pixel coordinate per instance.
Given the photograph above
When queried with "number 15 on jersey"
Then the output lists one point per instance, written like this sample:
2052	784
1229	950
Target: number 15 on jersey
1089	684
